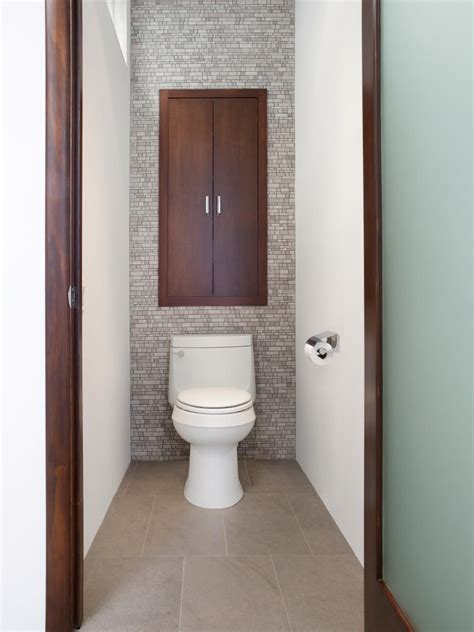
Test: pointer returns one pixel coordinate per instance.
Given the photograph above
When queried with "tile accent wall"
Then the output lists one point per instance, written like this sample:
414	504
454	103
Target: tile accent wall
212	44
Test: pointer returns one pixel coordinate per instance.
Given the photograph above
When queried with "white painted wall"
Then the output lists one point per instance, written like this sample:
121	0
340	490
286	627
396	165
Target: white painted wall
329	255
106	365
22	396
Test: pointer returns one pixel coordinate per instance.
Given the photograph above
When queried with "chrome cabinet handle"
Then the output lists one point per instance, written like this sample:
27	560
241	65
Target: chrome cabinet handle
219	205
207	205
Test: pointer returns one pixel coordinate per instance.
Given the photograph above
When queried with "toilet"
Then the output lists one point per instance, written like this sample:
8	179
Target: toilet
212	391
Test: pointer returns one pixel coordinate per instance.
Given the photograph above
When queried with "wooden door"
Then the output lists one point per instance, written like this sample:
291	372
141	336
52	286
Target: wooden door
382	612
64	495
236	197
418	283
189	231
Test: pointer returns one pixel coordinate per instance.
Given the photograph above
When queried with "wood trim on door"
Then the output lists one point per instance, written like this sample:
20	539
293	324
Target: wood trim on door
262	297
382	612
64	523
63	427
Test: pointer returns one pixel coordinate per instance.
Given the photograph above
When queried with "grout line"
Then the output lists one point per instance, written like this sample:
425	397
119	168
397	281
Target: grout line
225	534
299	524
148	526
281	594
198	555
151	557
195	555
275	493
181	602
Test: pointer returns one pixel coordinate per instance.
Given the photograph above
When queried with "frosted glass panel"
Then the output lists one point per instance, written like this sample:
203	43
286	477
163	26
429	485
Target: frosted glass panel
427	170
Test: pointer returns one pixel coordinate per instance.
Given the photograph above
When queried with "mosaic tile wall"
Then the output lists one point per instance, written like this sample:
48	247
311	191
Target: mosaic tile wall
212	44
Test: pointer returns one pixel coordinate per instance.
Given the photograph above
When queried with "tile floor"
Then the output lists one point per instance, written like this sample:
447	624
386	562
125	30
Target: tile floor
275	561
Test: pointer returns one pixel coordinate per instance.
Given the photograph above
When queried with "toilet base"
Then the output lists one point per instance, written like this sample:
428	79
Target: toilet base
213	477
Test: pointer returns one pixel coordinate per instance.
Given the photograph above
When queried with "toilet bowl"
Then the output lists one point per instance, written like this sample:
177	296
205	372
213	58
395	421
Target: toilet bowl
213	421
212	391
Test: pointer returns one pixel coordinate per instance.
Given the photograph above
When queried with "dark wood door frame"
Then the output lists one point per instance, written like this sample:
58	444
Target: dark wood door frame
64	552
382	613
63	323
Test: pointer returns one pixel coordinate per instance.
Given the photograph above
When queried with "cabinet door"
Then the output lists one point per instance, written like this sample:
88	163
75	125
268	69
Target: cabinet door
236	197
189	219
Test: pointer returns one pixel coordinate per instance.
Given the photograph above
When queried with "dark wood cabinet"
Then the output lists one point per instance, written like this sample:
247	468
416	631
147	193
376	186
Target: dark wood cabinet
189	182
213	197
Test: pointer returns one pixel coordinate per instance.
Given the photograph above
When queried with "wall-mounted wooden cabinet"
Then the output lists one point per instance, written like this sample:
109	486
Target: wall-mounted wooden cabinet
213	197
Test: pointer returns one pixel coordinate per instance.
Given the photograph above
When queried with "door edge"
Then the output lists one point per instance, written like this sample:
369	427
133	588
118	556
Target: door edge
64	526
381	607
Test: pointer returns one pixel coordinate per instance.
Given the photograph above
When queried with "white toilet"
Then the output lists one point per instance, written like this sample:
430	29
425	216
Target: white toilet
212	391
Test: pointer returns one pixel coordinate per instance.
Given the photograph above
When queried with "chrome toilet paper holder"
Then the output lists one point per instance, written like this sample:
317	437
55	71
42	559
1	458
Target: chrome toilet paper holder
329	337
321	347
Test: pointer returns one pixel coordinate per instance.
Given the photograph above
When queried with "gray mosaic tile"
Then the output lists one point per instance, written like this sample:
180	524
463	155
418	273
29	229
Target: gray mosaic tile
212	44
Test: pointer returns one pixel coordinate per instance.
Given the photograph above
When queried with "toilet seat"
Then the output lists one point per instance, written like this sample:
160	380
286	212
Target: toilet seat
214	407
214	400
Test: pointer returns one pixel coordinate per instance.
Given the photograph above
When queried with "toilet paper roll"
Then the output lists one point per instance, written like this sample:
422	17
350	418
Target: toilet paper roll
319	353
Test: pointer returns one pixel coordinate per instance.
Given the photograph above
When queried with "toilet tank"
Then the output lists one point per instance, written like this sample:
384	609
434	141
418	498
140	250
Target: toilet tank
197	361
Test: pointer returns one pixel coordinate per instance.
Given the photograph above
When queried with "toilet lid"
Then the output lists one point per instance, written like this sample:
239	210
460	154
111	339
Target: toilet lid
223	399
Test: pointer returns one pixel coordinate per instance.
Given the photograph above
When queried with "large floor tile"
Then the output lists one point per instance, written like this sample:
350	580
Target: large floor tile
140	595
179	528
122	533
158	477
277	477
322	593
89	562
244	476
263	524
319	528
231	594
126	480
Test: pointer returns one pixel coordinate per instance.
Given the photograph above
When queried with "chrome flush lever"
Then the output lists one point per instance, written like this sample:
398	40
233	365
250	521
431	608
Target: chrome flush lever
207	205
219	205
